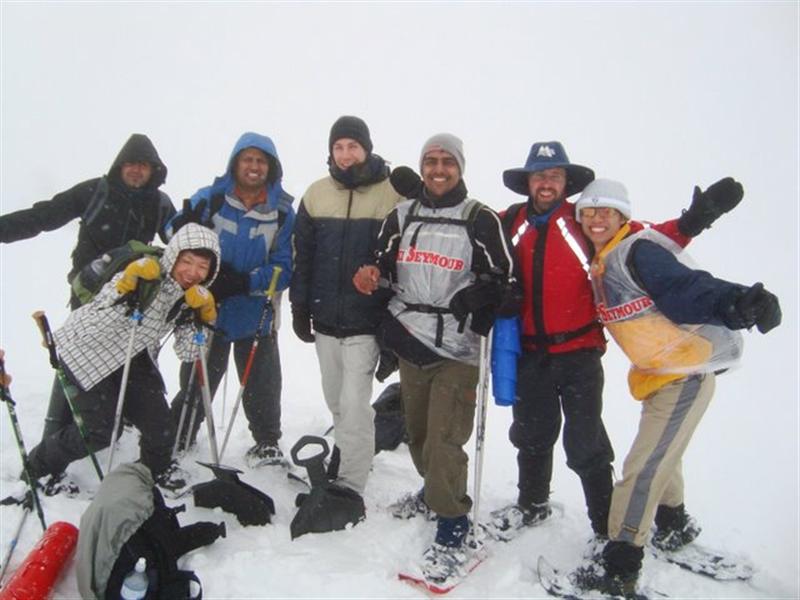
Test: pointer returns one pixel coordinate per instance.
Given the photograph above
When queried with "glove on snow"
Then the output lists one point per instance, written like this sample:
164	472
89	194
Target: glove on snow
229	283
406	182
752	306
200	299
301	323
143	268
708	206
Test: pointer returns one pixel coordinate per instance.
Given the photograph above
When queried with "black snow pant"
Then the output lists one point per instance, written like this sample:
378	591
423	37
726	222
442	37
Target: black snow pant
145	406
262	395
59	414
548	384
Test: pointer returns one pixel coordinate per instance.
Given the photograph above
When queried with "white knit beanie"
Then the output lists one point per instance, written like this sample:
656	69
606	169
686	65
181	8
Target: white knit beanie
448	143
602	193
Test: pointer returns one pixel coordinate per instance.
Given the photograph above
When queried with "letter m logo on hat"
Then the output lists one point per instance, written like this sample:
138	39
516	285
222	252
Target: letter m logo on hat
547	151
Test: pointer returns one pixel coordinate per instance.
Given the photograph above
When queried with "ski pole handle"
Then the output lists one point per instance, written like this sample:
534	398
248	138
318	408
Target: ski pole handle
273	283
47	337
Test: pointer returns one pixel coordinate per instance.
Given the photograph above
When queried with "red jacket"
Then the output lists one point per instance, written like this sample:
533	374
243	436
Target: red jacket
558	313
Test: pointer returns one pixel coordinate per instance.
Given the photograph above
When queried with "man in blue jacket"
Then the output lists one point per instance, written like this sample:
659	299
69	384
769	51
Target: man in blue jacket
253	216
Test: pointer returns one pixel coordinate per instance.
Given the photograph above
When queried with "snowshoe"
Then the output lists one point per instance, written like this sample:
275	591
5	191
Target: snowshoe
412	505
264	454
674	528
441	564
173	479
508	522
60	483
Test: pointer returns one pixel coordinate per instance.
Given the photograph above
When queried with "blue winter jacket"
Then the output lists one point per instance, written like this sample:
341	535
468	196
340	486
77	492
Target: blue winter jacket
251	242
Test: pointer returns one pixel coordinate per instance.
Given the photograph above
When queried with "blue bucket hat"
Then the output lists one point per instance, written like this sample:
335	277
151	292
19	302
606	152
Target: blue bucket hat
548	155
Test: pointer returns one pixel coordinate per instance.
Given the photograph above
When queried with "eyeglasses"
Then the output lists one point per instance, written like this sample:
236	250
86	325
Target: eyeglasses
603	212
555	177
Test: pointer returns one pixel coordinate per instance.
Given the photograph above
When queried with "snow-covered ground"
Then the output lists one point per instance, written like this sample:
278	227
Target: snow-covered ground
661	96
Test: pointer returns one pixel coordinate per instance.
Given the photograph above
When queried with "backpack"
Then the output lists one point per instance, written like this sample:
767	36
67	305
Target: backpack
155	540
90	279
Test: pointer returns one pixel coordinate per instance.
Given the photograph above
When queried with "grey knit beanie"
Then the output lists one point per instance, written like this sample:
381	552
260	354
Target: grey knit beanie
604	193
447	142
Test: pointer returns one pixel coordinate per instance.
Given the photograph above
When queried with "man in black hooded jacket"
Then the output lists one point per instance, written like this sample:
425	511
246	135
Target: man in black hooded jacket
114	209
124	205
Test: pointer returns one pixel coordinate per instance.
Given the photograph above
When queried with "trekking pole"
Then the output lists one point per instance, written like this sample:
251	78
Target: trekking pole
480	428
178	447
276	272
136	320
5	395
49	342
13	543
192	399
225	390
205	387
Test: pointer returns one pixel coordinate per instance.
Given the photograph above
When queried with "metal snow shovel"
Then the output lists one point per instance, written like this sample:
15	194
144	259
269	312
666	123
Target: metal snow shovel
327	507
226	490
268	308
136	320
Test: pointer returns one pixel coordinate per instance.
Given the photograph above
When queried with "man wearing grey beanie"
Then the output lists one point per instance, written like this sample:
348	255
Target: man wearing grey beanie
450	265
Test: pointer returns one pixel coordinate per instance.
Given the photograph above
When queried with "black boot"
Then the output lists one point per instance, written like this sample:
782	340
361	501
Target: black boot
674	528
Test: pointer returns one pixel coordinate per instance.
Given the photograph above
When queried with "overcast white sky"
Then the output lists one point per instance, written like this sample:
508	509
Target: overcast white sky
661	96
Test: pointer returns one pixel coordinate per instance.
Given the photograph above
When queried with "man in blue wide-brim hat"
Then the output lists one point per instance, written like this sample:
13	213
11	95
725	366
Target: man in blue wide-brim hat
562	340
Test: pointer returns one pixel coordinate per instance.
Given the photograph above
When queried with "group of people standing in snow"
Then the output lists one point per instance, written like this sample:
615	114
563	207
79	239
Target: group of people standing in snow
409	271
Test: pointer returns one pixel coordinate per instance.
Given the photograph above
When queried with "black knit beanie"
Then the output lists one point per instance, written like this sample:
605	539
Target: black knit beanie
353	128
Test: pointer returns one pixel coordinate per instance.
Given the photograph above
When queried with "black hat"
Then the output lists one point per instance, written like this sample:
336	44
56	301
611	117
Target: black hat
548	155
353	128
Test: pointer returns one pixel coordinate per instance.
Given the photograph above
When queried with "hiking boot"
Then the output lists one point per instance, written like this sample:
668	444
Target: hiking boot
264	454
674	528
60	483
594	577
411	505
440	563
172	478
506	523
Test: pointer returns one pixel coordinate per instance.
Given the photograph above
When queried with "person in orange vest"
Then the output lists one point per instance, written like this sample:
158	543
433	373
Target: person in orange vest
677	325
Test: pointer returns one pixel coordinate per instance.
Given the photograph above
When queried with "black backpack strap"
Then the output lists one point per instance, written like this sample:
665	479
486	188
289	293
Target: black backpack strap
96	202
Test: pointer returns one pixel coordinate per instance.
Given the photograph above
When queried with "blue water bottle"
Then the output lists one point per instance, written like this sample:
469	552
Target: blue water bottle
506	349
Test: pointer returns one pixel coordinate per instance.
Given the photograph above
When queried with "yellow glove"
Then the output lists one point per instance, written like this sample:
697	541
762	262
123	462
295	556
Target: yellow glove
144	268
200	299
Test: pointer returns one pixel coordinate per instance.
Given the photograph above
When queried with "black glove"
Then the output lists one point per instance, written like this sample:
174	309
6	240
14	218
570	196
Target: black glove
301	323
406	182
189	214
229	283
474	297
708	206
386	366
752	306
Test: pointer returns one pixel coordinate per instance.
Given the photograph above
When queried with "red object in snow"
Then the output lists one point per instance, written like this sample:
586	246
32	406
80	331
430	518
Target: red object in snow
36	577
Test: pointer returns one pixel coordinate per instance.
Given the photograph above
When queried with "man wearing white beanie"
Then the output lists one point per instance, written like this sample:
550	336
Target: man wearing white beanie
677	326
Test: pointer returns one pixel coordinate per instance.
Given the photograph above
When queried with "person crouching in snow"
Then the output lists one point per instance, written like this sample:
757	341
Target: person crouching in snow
676	324
92	346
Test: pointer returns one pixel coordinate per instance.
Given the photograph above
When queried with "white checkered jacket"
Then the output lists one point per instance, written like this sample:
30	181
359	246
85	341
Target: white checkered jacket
93	342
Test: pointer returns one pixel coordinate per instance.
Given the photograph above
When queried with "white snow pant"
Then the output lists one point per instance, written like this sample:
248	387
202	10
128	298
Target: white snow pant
347	366
652	474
